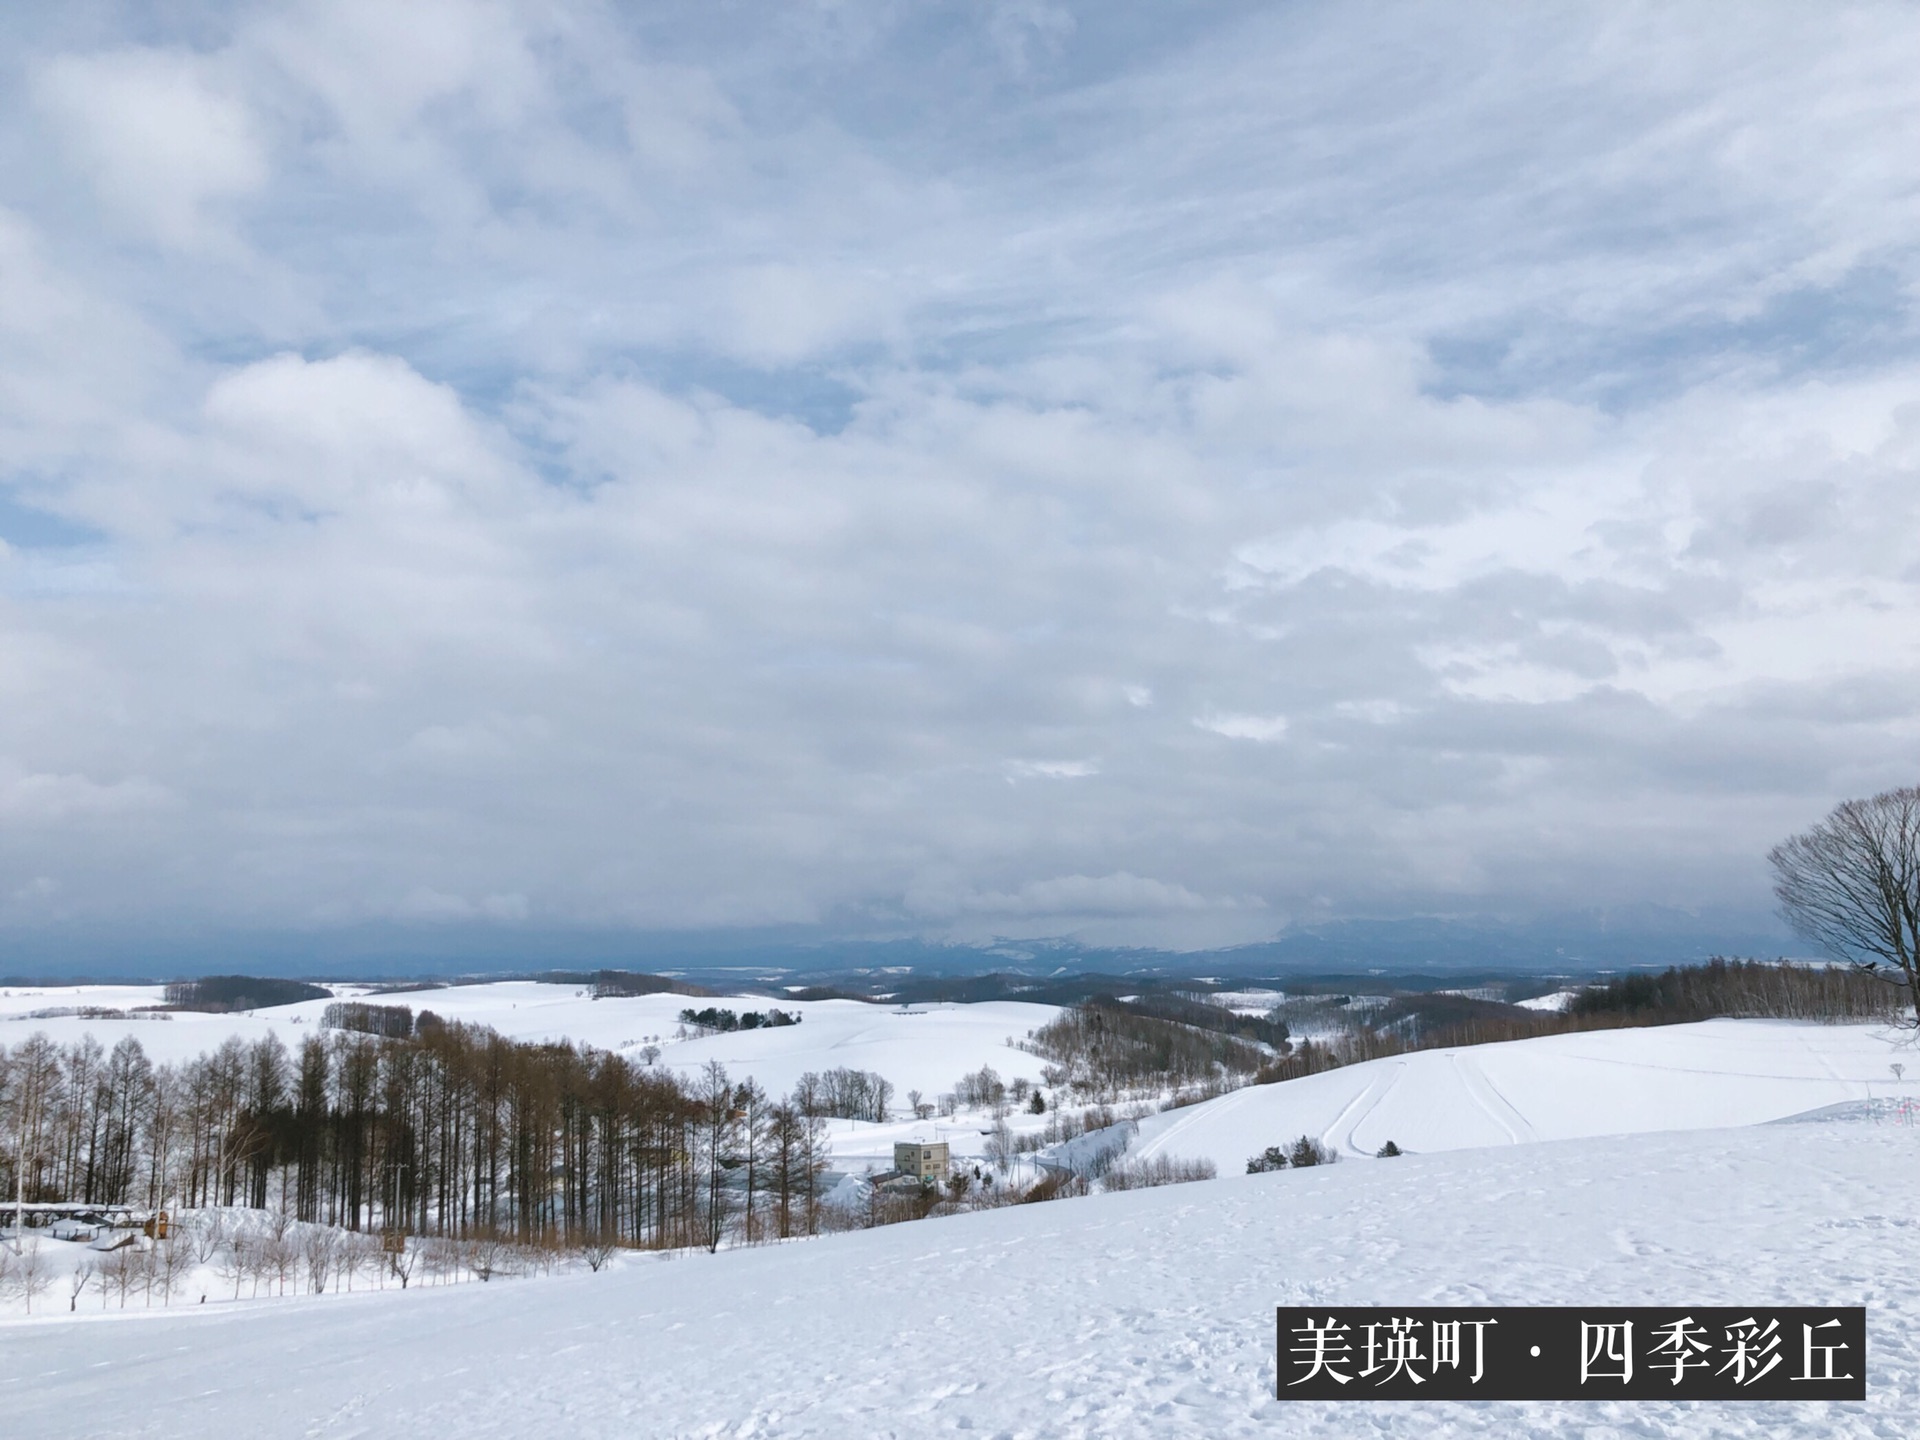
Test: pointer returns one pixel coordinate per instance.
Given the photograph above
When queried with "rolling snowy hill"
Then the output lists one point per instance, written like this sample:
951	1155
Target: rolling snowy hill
1142	1314
1604	1082
919	1047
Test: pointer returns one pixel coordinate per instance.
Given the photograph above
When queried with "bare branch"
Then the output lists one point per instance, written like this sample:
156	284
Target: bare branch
1851	885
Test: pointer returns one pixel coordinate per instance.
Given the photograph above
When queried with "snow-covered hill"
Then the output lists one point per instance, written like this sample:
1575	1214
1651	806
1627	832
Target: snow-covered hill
919	1047
1605	1082
1148	1313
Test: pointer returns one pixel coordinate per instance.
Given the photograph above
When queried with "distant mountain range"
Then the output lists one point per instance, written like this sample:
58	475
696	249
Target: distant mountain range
1573	944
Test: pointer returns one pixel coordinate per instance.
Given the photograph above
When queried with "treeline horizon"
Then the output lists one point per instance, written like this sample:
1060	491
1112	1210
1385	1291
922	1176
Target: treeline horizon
1720	989
1103	1046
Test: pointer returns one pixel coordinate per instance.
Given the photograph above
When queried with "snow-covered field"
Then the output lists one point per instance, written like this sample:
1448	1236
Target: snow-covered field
1148	1313
922	1047
1557	1000
1244	1002
1561	1087
1141	1313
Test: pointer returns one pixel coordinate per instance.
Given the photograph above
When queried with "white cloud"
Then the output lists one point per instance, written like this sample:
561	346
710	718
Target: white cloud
780	314
1027	32
1245	727
159	136
649	471
1051	769
356	429
1077	897
27	797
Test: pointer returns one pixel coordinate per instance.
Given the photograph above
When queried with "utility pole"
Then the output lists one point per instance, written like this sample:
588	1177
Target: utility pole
393	1238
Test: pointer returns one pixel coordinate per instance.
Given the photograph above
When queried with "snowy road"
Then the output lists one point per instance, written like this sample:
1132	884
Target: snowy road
1140	1314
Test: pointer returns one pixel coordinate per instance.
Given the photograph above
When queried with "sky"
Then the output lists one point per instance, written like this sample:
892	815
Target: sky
1165	475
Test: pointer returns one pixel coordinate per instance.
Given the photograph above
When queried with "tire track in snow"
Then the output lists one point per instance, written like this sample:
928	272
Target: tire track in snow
1208	1110
1857	1089
1339	1134
1336	1134
1487	1096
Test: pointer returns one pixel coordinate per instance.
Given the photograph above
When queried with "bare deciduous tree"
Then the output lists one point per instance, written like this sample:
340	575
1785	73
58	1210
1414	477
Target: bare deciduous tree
750	1105
170	1264
321	1248
719	1136
237	1263
31	1273
442	1260
207	1234
596	1250
280	1253
400	1262
488	1255
119	1269
360	1254
1851	885
999	1147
